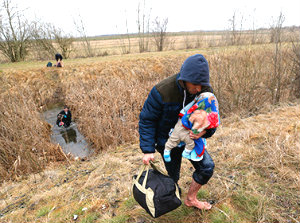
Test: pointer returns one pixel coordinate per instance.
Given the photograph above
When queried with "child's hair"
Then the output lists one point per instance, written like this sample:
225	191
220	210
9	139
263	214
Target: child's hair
59	117
58	57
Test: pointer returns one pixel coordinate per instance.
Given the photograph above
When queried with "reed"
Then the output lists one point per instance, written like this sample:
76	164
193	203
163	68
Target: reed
107	96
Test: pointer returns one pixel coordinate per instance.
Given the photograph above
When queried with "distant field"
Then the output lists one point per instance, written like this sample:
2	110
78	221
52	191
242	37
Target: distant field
174	41
129	44
117	45
91	61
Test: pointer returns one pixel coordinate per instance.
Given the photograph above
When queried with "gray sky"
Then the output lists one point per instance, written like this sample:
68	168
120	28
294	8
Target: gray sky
109	17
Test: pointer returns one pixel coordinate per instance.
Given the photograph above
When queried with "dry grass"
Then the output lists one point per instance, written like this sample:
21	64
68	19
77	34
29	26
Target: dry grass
261	155
107	96
24	136
256	180
113	96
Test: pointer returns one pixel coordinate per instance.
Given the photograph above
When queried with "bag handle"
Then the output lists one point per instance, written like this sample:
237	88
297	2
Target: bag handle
157	168
146	177
143	167
146	167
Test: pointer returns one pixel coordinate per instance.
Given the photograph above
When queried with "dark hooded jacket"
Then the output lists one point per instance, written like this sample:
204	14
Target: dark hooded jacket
67	118
166	99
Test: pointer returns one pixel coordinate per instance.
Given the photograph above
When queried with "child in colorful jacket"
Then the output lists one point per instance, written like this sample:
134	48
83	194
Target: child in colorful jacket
202	113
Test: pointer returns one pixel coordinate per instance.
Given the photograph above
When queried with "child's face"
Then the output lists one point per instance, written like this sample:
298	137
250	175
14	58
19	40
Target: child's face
198	116
199	120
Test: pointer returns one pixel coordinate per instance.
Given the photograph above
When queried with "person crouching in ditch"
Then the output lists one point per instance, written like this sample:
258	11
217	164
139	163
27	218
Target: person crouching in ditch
64	118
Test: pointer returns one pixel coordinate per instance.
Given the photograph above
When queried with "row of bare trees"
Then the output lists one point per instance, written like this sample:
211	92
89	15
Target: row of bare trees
158	33
18	36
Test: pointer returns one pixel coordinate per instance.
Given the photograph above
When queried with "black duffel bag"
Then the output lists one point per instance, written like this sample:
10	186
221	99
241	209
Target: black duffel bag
155	191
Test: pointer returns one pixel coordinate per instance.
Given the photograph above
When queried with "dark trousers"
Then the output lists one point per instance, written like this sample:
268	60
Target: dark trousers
203	169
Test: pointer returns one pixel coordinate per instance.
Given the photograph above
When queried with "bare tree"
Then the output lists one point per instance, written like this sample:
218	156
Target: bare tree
276	81
254	30
143	24
199	40
85	40
159	33
63	41
125	47
187	39
43	40
235	33
49	40
296	67
14	33
128	37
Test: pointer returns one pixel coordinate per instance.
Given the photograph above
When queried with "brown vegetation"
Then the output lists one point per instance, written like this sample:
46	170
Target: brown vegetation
24	136
106	98
256	179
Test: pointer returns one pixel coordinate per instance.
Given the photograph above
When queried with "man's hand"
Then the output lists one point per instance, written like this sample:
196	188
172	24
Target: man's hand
147	157
197	136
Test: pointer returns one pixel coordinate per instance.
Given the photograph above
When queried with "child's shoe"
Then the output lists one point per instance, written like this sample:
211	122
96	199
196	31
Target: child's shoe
186	154
195	157
167	155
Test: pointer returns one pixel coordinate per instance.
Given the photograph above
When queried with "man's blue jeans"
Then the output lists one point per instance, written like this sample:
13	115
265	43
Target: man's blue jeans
203	169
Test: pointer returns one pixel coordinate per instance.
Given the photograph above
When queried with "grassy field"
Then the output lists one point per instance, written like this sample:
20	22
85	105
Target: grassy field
129	44
255	149
256	180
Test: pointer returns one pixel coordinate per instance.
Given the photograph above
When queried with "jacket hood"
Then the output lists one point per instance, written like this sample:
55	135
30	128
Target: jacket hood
195	70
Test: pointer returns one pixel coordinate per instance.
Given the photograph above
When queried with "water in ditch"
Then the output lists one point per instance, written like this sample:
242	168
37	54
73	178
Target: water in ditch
68	138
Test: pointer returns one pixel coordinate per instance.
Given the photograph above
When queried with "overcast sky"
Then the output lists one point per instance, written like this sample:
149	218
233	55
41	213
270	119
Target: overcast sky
109	17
